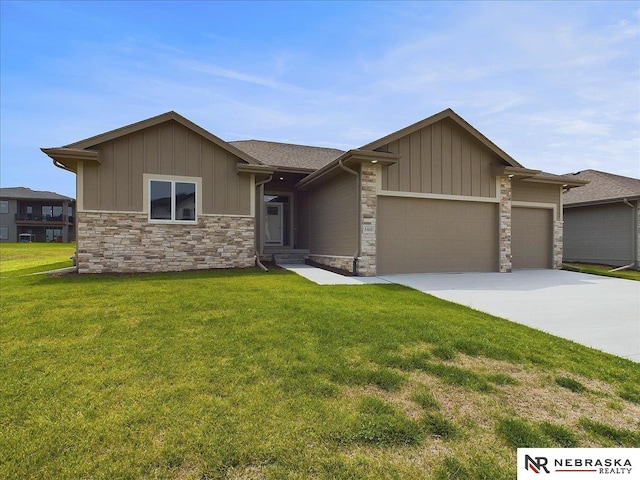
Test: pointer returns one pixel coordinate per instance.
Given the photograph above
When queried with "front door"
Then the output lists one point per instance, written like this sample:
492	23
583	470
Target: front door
273	228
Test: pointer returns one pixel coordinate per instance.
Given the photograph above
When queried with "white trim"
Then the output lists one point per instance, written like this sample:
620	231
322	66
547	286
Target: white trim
437	196
146	188
280	242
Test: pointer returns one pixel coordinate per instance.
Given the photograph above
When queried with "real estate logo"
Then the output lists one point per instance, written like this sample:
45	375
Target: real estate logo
582	463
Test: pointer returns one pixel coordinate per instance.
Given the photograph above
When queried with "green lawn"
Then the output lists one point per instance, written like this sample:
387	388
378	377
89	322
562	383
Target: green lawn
246	374
604	270
25	258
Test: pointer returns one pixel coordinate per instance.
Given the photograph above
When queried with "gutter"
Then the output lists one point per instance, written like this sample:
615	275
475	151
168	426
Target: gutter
353	172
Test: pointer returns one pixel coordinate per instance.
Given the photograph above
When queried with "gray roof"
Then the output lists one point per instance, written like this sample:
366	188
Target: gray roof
287	155
24	193
602	186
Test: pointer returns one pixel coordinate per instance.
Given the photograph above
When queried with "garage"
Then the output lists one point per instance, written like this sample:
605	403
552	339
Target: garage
417	235
531	237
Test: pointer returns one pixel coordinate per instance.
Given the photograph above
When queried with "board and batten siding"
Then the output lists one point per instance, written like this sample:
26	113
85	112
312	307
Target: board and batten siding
333	217
166	149
442	159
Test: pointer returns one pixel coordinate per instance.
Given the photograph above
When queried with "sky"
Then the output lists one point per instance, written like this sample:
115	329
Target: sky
554	84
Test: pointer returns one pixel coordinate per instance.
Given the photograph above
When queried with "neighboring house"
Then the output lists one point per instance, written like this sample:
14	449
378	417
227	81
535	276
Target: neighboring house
165	194
47	216
601	220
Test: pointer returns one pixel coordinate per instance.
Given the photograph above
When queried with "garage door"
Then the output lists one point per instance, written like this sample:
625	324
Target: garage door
531	237
422	235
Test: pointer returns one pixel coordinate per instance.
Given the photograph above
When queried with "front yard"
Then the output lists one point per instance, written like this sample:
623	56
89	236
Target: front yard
246	374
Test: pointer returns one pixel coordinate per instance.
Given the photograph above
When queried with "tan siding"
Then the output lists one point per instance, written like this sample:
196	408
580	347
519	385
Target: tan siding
423	235
137	151
166	149
536	193
442	159
333	211
599	234
416	165
447	164
531	237
208	180
91	177
302	219
122	173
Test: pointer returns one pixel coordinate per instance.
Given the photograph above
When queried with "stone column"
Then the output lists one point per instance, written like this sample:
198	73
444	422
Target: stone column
505	224
558	229
368	213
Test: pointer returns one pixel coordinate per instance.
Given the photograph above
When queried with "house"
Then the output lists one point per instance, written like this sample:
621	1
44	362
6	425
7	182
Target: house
37	215
601	220
165	194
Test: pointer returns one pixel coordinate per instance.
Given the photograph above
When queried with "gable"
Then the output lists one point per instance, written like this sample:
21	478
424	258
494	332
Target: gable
168	148
440	157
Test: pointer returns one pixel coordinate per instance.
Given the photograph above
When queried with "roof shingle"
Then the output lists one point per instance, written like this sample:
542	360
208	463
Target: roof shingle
25	193
287	155
602	186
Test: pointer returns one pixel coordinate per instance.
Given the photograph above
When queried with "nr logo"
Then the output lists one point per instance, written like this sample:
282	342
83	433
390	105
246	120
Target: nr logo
536	464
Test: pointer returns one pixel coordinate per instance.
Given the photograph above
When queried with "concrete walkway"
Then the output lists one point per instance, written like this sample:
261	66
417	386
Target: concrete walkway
324	277
600	312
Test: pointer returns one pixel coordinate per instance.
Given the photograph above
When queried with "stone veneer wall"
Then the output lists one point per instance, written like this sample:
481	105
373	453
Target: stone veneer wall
558	230
110	242
368	214
339	262
505	264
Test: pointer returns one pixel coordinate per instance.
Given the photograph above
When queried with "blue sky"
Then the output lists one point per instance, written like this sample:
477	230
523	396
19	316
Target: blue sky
556	85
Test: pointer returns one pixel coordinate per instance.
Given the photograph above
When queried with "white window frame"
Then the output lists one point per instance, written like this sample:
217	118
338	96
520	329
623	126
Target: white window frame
4	233
4	206
148	178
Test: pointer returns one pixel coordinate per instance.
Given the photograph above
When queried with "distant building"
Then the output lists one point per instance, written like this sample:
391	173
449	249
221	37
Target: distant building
601	220
37	216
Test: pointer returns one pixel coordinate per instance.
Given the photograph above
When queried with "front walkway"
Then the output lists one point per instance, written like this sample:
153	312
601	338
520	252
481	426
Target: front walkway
324	277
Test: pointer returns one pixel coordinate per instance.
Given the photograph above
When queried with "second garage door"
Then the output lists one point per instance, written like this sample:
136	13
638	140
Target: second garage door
422	235
531	237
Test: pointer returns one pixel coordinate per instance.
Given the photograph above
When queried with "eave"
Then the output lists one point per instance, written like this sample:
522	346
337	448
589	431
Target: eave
348	159
67	158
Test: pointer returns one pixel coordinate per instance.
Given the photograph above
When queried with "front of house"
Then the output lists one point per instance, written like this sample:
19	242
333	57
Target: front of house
166	195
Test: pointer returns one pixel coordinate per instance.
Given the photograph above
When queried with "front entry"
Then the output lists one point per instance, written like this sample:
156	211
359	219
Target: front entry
273	224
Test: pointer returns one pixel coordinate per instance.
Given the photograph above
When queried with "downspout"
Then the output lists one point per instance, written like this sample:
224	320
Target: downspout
357	254
257	256
634	254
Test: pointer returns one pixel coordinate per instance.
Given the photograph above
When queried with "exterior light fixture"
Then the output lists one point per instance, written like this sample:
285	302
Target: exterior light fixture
281	178
374	161
511	175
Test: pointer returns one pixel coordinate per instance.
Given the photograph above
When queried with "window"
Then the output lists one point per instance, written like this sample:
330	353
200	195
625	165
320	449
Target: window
4	206
4	233
172	201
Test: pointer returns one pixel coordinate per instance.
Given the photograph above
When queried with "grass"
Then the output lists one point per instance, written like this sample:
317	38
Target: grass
26	258
571	384
246	374
604	270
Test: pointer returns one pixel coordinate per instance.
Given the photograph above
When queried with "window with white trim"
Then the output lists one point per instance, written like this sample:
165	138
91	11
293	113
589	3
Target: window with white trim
4	233
172	201
4	206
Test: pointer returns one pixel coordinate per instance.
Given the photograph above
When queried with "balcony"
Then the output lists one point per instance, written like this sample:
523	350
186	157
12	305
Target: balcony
31	219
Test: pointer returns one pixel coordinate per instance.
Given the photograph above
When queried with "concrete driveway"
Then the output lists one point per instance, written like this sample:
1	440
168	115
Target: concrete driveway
599	312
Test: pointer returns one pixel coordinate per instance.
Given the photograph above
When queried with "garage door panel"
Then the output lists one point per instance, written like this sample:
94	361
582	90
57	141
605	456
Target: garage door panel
531	237
425	235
